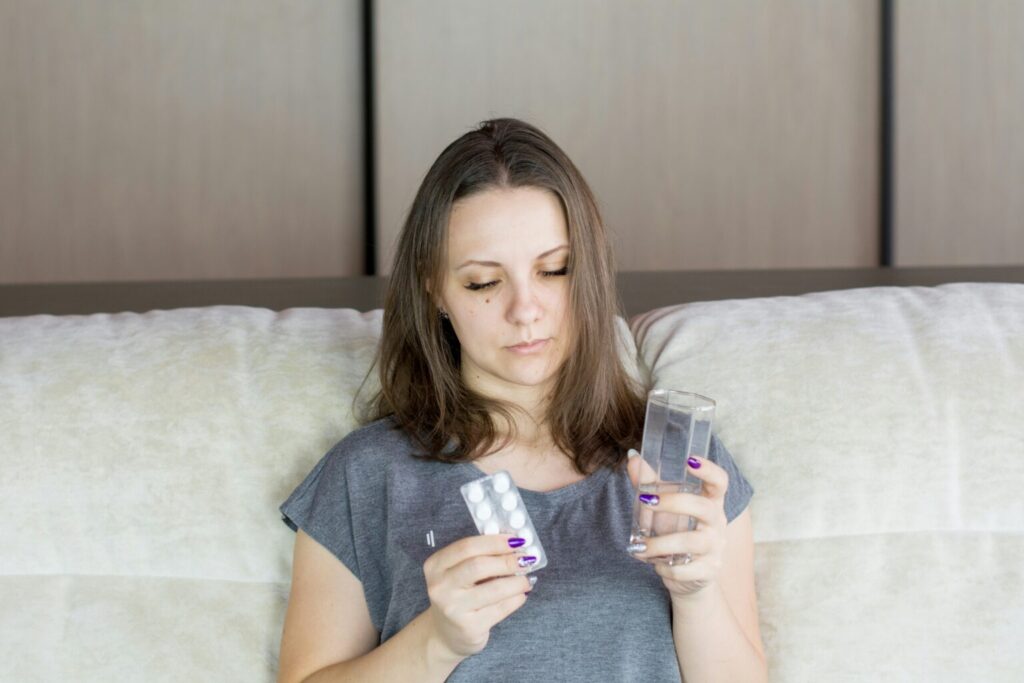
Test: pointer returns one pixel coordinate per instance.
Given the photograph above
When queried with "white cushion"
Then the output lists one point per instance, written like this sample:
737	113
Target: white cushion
883	432
142	460
143	457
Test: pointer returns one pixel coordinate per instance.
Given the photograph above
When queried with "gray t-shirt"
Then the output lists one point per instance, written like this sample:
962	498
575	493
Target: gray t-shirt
596	613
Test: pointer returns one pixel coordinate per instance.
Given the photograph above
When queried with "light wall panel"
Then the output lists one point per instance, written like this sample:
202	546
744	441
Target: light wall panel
152	140
715	134
959	148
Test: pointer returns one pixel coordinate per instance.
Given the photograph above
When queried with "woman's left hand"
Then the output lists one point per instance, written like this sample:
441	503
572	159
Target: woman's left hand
705	544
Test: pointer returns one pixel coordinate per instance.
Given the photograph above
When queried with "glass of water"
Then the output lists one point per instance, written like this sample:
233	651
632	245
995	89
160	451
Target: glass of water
677	425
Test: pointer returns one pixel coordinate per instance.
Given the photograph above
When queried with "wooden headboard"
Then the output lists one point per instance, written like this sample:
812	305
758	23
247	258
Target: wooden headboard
640	291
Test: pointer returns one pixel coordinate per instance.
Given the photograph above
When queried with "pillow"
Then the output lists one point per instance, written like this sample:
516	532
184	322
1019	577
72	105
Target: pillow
883	432
143	458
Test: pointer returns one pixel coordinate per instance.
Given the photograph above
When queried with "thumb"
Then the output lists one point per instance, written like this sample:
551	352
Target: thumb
639	470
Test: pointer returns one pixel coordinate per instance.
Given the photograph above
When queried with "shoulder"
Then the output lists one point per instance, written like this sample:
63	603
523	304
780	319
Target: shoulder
717	452
379	435
372	443
740	490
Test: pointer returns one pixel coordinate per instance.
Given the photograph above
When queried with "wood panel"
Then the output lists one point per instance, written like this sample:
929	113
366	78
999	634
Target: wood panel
716	134
152	140
959	149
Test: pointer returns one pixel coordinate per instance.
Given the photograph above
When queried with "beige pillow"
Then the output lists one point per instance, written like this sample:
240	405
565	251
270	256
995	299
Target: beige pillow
883	432
143	458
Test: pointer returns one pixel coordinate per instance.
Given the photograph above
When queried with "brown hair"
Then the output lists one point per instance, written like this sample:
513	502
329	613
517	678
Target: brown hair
596	409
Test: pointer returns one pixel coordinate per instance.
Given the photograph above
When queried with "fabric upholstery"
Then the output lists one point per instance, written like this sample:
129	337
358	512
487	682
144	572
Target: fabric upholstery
883	430
143	457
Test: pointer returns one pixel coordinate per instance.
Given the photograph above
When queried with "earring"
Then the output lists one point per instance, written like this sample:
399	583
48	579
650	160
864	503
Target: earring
444	315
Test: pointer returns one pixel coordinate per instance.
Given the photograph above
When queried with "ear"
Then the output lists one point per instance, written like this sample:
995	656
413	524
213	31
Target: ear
430	294
435	299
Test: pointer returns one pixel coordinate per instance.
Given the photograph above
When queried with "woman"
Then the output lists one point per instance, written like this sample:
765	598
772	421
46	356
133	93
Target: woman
499	351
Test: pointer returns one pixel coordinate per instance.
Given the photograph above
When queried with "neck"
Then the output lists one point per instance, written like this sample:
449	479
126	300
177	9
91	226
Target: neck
531	431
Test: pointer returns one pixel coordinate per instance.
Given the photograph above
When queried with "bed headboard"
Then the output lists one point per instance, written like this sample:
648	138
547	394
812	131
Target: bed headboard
640	291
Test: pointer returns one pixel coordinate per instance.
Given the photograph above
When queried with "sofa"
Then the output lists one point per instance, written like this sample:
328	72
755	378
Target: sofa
143	457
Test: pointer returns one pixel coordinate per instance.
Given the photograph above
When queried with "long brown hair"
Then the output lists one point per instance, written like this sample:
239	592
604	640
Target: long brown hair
596	409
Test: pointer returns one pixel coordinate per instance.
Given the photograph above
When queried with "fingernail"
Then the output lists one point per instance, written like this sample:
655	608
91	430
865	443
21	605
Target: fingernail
632	453
694	462
636	547
532	579
515	541
649	498
526	560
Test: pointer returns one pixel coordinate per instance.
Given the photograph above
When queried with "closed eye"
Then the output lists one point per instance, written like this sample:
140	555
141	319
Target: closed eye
546	273
564	270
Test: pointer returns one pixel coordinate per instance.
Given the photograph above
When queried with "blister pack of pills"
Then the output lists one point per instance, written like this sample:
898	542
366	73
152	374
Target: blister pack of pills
497	508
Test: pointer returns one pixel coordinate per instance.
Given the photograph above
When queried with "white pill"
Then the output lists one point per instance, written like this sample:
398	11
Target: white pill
517	519
501	482
475	493
508	501
526	535
491	527
483	511
533	550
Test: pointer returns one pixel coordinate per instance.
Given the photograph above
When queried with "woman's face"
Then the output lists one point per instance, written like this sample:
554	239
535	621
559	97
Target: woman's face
519	293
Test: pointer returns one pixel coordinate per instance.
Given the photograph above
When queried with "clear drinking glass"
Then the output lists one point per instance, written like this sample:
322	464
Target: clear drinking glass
676	426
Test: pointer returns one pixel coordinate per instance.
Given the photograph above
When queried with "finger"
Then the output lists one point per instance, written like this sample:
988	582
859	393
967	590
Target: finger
639	470
496	590
693	542
492	614
716	479
684	573
470	546
475	569
691	504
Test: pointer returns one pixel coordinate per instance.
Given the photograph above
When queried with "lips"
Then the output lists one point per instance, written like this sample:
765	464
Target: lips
528	348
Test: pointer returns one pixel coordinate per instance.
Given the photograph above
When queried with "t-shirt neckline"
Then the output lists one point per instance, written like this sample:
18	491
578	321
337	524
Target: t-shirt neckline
555	496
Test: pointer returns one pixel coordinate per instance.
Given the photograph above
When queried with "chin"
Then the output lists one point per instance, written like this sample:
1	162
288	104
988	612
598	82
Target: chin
530	380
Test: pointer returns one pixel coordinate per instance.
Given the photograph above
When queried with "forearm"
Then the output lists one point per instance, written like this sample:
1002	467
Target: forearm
412	654
710	644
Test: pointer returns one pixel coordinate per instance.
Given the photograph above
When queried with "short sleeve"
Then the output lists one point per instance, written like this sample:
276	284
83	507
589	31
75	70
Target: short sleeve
321	506
738	495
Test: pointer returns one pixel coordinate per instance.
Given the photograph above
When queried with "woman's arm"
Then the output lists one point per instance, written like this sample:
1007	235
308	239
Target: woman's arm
329	635
714	602
328	629
412	654
716	630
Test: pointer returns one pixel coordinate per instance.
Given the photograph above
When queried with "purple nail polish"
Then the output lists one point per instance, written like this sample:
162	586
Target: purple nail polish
694	463
649	498
526	560
515	541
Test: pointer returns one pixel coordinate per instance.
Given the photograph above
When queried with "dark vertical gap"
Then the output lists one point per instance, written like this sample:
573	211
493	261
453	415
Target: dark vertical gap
887	179
369	147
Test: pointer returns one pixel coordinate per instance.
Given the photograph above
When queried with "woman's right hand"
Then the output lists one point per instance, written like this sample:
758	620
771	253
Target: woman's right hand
473	584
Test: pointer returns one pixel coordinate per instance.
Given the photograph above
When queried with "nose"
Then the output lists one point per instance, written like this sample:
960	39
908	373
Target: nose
524	308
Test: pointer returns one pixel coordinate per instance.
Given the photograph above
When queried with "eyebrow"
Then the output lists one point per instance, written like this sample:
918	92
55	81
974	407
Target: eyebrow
498	265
